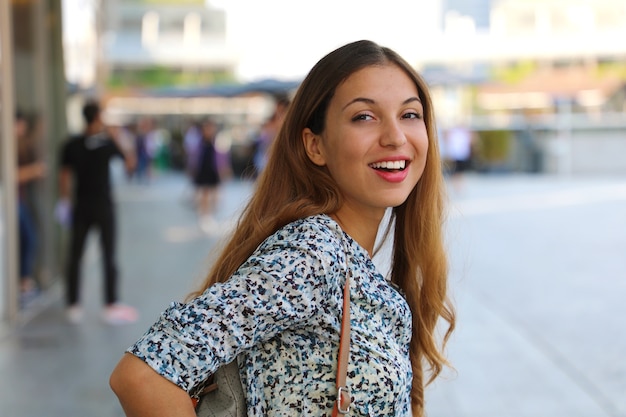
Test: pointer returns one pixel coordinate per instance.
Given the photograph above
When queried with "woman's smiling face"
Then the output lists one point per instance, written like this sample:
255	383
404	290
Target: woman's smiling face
375	141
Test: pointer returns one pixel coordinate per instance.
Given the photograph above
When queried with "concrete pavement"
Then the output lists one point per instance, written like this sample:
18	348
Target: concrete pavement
538	277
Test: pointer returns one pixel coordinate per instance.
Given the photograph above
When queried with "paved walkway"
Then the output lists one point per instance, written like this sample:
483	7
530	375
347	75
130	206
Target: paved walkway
538	276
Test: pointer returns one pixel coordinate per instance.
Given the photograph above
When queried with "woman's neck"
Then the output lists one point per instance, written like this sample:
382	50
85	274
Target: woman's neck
363	229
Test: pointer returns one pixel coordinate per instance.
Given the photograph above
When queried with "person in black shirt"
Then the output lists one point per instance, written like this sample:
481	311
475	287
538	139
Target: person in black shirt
84	169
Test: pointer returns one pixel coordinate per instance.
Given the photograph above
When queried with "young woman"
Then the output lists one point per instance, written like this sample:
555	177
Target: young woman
358	138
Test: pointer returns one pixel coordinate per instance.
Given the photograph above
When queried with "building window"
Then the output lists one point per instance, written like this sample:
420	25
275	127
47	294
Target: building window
192	29
150	29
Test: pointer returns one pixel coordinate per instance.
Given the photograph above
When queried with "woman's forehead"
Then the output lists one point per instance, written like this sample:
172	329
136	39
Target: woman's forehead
378	80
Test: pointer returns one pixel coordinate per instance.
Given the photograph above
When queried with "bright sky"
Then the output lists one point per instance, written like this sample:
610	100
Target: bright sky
284	38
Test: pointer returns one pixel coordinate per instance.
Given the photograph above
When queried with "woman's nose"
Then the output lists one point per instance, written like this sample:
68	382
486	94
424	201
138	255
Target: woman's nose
392	134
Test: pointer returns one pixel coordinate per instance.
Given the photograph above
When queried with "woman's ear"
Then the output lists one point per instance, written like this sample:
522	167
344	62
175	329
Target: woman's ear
313	147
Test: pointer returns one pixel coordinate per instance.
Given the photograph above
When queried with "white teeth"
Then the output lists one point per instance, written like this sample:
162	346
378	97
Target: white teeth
389	165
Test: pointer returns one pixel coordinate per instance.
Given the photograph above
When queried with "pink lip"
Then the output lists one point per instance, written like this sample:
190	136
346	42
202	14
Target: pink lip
395	177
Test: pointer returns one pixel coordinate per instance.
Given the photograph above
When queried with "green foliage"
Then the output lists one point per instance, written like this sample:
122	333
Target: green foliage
605	69
514	73
157	76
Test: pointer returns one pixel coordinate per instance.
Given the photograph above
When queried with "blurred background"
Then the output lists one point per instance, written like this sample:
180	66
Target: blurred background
530	99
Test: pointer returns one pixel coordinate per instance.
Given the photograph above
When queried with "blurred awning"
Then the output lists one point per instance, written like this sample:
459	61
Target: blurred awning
266	86
448	77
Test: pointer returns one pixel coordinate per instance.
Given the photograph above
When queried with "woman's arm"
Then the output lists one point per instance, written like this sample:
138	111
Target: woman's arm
30	172
142	392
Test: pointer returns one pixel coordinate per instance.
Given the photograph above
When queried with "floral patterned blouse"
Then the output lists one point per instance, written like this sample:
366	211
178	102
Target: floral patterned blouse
280	316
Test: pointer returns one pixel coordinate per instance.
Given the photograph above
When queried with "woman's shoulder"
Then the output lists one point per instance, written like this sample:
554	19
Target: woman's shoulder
309	246
317	235
317	228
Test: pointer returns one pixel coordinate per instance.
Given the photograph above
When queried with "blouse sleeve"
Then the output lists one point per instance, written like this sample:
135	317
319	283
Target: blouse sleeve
284	284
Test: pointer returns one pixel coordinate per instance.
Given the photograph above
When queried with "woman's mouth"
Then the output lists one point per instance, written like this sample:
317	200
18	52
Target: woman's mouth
389	165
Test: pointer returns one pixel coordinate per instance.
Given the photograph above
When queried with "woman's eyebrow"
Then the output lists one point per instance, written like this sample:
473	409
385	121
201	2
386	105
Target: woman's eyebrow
412	99
370	101
359	100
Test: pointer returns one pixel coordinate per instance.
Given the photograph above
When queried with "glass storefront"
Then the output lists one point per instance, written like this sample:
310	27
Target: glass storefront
8	259
32	85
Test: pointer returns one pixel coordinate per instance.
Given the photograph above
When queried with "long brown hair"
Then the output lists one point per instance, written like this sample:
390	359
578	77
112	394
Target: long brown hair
292	187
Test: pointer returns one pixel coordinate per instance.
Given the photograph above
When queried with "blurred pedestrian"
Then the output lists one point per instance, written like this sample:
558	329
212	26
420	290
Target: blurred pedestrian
144	149
355	143
458	140
192	139
207	177
85	184
268	132
30	169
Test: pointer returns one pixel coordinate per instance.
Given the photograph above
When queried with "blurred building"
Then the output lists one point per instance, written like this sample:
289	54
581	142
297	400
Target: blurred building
170	59
553	50
550	33
553	30
553	67
158	58
145	42
32	80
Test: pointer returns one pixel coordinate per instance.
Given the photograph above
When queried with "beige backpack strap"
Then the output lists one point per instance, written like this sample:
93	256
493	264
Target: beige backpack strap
344	398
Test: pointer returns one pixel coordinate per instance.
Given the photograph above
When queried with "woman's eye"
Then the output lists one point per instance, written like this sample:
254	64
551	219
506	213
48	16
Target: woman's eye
359	117
412	115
